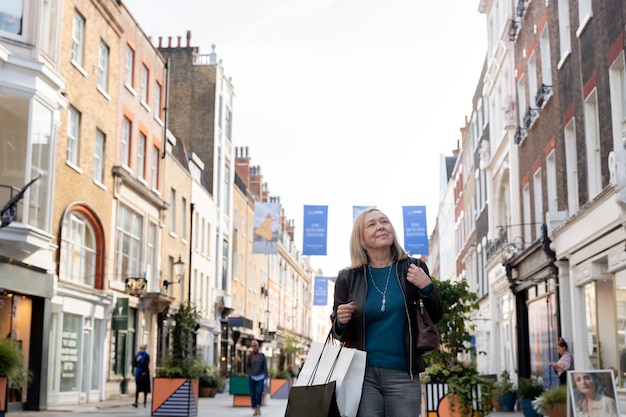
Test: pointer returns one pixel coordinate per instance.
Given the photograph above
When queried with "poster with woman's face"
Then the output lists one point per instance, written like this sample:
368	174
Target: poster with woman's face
592	393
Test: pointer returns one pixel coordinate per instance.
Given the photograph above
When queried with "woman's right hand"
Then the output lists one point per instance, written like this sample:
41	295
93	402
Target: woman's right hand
344	312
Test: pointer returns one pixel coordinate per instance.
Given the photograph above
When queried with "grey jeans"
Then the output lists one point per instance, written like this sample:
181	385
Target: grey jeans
389	393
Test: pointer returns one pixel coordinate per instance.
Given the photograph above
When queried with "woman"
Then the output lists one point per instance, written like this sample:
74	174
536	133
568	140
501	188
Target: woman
142	374
374	310
565	362
590	398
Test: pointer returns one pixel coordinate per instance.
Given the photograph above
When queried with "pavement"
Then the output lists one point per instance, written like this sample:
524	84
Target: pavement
220	405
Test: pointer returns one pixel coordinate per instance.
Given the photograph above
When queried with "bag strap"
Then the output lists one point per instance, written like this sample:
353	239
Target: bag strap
327	342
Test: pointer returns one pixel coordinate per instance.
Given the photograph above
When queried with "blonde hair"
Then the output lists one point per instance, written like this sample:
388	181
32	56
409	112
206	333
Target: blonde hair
358	251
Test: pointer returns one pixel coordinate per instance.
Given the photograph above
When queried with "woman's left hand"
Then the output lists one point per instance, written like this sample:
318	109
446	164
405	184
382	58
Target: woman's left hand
417	276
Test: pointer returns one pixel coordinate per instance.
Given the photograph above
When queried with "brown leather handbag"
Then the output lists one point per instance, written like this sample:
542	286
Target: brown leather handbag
427	335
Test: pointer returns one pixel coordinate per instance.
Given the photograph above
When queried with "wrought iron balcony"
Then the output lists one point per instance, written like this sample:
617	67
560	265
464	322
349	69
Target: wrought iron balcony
543	95
531	115
520	135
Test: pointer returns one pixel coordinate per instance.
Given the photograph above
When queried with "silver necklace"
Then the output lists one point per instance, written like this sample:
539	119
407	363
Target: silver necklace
383	293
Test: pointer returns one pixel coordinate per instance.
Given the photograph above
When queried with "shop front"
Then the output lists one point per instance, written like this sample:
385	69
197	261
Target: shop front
25	318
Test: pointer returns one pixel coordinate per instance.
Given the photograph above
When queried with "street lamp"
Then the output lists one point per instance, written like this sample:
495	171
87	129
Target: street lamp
179	270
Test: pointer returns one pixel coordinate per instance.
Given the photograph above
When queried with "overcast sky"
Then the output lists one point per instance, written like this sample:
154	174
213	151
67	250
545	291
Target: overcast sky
340	102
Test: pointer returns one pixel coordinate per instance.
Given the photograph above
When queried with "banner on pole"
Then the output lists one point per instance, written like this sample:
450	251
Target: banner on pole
356	210
415	232
266	228
315	230
320	291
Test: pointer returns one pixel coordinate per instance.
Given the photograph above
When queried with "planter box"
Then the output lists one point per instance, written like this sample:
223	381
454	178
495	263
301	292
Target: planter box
436	404
507	401
175	397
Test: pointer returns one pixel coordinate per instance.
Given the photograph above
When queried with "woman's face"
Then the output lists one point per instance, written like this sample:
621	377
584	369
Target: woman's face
560	350
377	230
585	383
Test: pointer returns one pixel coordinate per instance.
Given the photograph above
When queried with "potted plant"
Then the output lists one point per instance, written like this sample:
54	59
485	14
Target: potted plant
176	383
447	369
505	392
528	390
12	371
554	401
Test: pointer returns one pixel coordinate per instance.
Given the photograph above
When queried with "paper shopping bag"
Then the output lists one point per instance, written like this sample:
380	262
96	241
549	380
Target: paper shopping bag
345	366
312	401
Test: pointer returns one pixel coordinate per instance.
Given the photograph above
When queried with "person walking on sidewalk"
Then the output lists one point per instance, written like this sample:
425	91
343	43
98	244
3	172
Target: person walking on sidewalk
142	374
256	368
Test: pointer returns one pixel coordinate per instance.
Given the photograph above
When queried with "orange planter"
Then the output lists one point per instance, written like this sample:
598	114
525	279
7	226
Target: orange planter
175	397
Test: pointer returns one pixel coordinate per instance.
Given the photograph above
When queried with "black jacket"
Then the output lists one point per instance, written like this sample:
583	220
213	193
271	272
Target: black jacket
351	285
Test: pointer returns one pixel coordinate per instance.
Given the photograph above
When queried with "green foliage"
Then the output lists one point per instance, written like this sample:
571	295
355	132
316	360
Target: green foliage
12	363
278	374
455	326
447	365
554	395
529	388
504	385
182	360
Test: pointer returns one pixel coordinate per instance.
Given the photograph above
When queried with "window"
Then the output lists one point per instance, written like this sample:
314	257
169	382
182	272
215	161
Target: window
551	182
141	156
151	262
229	123
103	67
12	16
571	166
154	174
617	80
532	79
129	68
144	84
546	57
538	200
129	244
592	142
48	36
183	218
78	250
584	13
126	136
219	116
41	162
173	211
98	168
78	38
526	215
73	130
157	101
565	42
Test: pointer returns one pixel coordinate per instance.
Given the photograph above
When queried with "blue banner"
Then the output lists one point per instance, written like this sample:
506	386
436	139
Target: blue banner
315	230
356	210
266	228
320	291
415	232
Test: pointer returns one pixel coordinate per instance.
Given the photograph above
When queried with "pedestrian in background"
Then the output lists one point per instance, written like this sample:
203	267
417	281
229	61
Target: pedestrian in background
565	362
141	369
256	368
375	307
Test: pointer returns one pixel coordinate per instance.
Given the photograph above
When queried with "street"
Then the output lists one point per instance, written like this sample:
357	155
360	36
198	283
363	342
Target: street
220	405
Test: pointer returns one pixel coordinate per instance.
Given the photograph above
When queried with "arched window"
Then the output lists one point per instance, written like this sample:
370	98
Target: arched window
81	248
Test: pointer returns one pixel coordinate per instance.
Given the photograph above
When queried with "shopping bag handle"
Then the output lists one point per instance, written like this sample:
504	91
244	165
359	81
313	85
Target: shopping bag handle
328	341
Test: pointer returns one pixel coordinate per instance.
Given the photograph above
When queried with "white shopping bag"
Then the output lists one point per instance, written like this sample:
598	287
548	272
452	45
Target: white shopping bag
348	370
